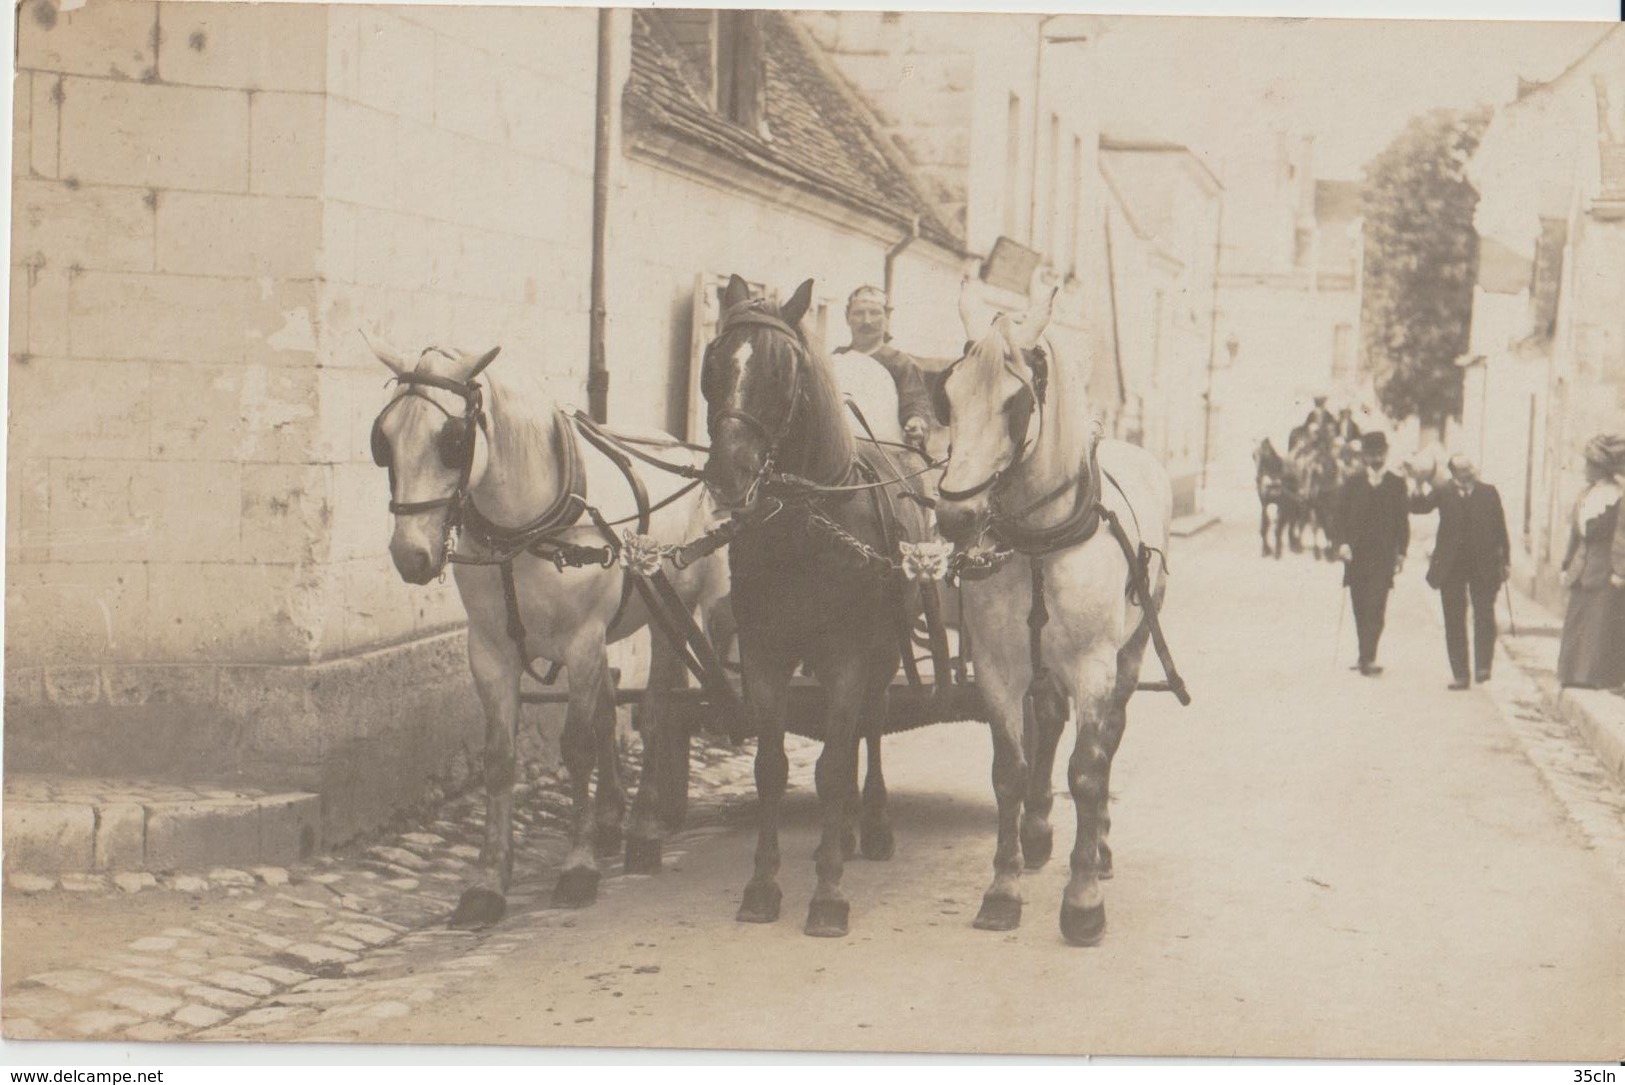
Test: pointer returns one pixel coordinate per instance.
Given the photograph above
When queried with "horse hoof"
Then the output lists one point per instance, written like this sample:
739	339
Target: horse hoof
576	888
1036	846
761	903
478	908
606	841
642	856
1083	926
828	918
998	914
878	843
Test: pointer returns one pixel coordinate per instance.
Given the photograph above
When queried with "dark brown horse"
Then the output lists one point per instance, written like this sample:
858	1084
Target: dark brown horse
811	585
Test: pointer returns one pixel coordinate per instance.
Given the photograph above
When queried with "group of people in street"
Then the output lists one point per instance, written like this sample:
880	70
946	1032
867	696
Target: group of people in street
1472	550
1471	560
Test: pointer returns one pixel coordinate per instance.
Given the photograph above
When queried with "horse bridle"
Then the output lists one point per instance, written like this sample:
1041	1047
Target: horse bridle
456	439
750	315
1030	402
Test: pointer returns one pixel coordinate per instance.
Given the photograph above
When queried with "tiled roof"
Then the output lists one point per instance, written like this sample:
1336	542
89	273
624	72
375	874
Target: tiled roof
819	139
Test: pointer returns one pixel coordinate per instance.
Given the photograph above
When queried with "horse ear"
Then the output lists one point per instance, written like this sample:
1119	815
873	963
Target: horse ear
735	292
1032	326
971	313
793	310
386	353
484	360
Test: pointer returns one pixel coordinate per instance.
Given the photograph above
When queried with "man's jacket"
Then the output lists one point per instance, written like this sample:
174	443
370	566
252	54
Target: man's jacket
1472	544
1375	526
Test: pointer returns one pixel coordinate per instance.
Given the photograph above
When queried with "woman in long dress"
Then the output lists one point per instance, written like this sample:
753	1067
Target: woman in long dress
1593	650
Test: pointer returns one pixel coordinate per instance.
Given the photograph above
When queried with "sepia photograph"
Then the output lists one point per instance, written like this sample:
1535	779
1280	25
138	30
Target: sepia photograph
801	531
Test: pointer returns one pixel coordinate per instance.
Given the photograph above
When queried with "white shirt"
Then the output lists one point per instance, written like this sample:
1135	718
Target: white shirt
869	384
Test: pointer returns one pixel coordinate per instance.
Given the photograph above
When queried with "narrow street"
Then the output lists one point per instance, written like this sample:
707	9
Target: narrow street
1308	863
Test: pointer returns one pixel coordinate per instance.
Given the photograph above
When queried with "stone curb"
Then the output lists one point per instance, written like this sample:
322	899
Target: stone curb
128	835
1599	717
1184	527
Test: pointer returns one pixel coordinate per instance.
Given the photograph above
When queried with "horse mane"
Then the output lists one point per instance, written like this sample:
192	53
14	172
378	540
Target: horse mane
819	418
524	418
523	424
1066	424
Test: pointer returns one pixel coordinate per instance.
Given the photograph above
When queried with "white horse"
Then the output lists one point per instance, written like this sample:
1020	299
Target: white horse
490	450
1021	476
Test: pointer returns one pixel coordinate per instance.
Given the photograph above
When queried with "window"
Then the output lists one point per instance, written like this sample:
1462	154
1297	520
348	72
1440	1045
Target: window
726	58
1342	351
1303	241
1075	187
1012	166
1159	302
741	68
1047	241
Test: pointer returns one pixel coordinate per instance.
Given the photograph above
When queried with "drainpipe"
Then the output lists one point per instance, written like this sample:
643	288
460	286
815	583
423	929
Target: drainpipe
1212	349
897	250
597	366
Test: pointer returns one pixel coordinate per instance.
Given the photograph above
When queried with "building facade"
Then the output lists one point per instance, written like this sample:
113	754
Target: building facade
1000	117
1545	369
1288	305
1163	239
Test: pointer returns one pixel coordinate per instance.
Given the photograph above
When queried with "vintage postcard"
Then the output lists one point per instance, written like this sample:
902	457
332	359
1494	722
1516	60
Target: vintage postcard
798	530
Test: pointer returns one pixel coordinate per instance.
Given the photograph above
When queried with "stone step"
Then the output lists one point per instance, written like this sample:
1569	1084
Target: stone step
57	825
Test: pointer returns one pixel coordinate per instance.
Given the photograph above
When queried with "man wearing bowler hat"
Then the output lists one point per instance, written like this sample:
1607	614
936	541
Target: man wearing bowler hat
1470	560
1372	508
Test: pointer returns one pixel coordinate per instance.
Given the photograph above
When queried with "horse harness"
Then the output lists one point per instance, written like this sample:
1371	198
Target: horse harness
807	492
541	535
1011	536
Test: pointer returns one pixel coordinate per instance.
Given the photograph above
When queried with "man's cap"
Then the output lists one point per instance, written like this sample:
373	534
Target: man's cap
867	291
1374	442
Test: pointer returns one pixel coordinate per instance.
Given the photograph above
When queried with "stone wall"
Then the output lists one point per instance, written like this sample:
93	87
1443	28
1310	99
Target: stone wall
209	198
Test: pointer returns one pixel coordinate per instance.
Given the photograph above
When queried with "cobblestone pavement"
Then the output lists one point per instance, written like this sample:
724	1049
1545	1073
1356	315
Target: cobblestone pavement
322	951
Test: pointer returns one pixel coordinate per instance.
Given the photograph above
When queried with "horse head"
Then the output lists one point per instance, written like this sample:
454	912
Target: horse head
989	399
762	382
427	437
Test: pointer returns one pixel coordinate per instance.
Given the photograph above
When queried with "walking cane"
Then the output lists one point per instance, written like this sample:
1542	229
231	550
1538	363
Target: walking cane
1342	606
1512	621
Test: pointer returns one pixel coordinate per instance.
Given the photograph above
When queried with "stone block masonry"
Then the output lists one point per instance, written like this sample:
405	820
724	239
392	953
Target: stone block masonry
65	825
209	199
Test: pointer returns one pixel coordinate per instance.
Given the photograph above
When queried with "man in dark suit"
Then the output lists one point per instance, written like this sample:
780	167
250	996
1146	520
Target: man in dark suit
1376	534
1470	561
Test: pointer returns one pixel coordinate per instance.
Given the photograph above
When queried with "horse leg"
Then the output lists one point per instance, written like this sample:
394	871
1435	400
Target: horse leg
1083	904
837	780
609	808
1264	527
874	829
1280	522
495	666
1041	736
1001	904
1129	660
578	881
665	763
767	693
